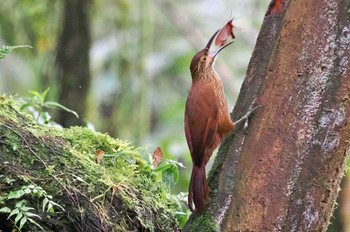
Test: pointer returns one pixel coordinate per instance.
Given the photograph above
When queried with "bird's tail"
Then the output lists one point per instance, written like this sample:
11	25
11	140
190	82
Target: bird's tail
199	189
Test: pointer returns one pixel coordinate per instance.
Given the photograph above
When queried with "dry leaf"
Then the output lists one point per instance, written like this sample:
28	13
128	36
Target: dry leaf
157	156
99	156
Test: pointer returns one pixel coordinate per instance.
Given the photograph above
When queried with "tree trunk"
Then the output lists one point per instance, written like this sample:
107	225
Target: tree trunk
73	61
284	173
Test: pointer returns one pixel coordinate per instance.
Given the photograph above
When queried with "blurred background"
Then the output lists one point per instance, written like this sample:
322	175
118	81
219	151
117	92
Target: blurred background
123	65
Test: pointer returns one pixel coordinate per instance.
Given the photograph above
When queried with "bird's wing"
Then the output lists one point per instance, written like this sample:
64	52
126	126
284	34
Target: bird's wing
201	121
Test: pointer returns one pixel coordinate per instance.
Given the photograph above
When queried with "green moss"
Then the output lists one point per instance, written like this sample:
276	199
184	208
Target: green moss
121	193
204	222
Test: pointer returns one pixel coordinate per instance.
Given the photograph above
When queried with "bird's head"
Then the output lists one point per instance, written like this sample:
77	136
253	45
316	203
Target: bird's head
204	60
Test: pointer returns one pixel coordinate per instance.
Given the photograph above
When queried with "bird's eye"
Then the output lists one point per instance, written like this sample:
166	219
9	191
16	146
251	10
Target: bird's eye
204	58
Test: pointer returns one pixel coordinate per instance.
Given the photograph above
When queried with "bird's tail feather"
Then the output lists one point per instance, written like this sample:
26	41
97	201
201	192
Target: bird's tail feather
199	189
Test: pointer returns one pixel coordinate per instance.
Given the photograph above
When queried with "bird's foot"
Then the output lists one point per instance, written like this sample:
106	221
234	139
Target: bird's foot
245	119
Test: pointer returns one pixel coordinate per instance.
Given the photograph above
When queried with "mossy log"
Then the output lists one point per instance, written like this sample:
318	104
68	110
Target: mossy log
121	193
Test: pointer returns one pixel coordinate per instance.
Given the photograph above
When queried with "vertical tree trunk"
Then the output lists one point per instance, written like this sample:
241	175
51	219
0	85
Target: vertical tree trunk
284	173
73	61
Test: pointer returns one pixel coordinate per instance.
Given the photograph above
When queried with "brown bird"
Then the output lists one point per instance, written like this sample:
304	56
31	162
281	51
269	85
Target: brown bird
207	121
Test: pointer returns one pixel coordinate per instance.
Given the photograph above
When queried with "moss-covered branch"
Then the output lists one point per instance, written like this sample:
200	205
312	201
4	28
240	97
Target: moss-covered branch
121	193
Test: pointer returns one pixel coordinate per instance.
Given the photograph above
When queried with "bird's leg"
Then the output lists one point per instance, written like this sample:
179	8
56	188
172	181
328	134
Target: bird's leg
245	119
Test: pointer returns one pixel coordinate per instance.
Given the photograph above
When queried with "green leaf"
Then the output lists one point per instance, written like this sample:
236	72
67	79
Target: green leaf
25	106
150	159
170	176
8	181
50	169
35	223
176	163
25	208
4	50
55	105
13	212
18	217
29	215
50	208
15	194
20	204
33	101
55	204
5	210
35	93
179	164
45	201
45	116
163	166
22	222
27	190
179	213
43	95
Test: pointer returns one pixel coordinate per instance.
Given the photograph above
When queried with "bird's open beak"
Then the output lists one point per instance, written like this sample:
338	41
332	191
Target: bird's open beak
214	54
211	41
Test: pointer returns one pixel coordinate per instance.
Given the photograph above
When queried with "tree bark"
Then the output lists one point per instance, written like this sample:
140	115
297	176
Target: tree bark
284	173
73	61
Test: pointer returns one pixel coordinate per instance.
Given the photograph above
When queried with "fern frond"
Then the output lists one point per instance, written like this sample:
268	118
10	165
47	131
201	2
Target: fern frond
4	50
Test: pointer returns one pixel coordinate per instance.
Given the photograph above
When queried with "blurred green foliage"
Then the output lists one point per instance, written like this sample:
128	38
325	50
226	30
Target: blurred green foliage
37	105
140	56
4	50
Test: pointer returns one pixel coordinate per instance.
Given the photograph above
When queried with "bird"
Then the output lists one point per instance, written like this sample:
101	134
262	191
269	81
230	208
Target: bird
207	120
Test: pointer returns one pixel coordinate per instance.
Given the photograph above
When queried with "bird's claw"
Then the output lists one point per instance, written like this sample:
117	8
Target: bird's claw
249	113
245	119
